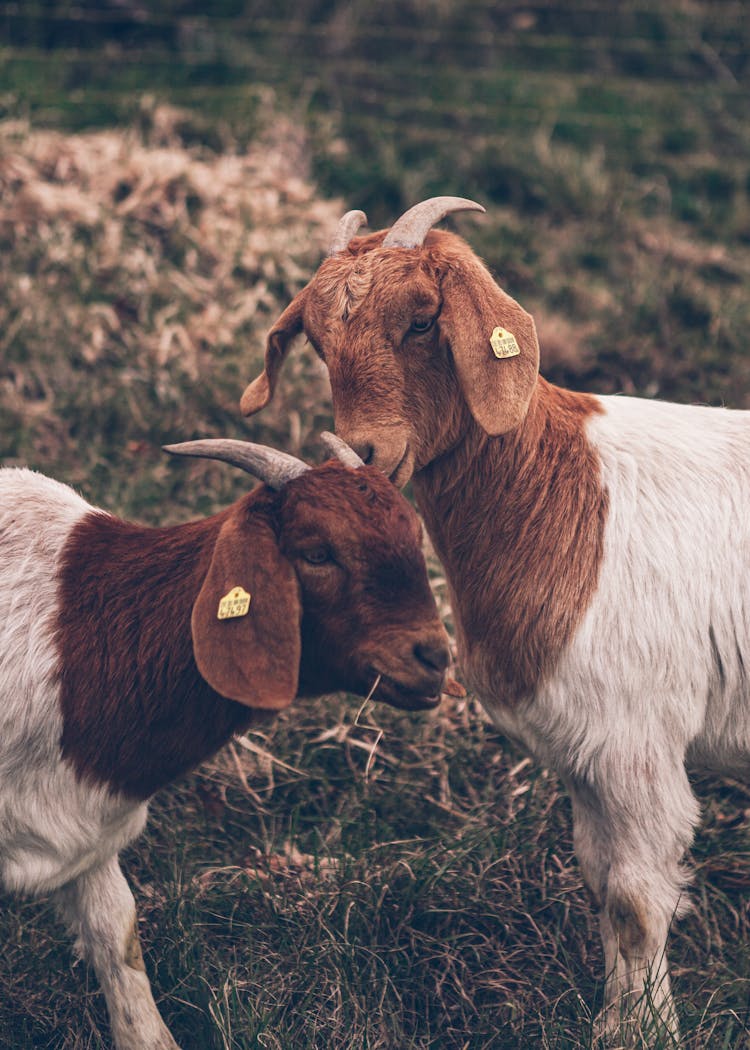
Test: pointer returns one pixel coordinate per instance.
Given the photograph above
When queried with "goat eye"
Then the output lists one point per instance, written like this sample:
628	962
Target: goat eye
421	324
316	556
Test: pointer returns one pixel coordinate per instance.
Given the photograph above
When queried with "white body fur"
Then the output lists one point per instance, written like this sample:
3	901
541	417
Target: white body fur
656	677
671	615
52	827
58	834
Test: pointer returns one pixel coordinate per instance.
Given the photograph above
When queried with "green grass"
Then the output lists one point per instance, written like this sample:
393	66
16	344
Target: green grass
312	893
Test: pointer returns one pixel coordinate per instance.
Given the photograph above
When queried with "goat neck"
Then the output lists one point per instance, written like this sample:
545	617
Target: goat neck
519	520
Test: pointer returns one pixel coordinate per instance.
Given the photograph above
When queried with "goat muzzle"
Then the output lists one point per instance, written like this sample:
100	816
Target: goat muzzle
412	677
387	449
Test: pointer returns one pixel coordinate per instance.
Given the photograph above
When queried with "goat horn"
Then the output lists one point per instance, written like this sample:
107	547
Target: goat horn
411	229
347	227
274	467
341	450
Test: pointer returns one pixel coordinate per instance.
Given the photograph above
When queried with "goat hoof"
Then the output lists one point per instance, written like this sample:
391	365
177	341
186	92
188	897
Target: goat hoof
610	1032
615	1030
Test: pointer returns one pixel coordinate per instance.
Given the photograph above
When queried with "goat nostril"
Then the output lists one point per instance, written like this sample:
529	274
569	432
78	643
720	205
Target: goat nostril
365	451
433	657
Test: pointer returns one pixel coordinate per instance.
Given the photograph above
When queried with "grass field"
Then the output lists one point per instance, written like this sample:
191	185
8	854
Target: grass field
359	878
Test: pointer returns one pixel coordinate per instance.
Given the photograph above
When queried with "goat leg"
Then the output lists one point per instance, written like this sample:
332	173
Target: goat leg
100	910
630	847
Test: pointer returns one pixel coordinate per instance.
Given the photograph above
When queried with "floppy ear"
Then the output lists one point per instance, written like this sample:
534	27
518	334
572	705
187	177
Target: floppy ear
497	391
260	391
253	658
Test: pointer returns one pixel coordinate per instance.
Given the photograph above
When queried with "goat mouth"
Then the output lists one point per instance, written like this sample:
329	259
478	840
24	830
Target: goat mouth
403	469
393	692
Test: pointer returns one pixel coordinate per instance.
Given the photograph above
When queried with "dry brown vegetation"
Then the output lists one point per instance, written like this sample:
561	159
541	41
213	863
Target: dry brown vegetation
139	277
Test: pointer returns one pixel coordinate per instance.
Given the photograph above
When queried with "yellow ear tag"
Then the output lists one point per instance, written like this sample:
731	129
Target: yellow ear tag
236	603
504	343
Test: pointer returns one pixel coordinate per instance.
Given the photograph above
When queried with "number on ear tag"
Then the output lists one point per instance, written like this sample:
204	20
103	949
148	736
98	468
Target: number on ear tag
236	603
504	343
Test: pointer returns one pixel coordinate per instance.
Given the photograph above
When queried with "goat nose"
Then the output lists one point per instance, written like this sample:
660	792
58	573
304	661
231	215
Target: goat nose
433	657
364	450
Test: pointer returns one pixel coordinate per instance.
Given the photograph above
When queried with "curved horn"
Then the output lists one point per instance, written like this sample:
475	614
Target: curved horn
341	450
274	467
411	229
347	227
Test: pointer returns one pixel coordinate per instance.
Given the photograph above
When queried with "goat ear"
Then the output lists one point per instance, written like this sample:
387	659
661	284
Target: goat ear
497	391
260	391
253	658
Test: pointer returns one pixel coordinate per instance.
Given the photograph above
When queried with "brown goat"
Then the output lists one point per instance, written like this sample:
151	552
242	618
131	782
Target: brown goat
129	654
593	548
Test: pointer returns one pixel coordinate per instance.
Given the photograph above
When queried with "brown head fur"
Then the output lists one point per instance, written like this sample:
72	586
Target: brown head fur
339	594
394	386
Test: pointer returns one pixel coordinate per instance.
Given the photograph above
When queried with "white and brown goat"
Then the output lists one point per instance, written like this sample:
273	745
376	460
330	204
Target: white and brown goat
597	551
117	674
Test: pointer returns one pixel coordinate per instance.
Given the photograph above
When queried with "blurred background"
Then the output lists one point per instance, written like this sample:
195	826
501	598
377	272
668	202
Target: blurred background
170	175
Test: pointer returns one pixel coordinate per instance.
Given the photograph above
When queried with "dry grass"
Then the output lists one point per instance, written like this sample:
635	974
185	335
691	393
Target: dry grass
139	278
